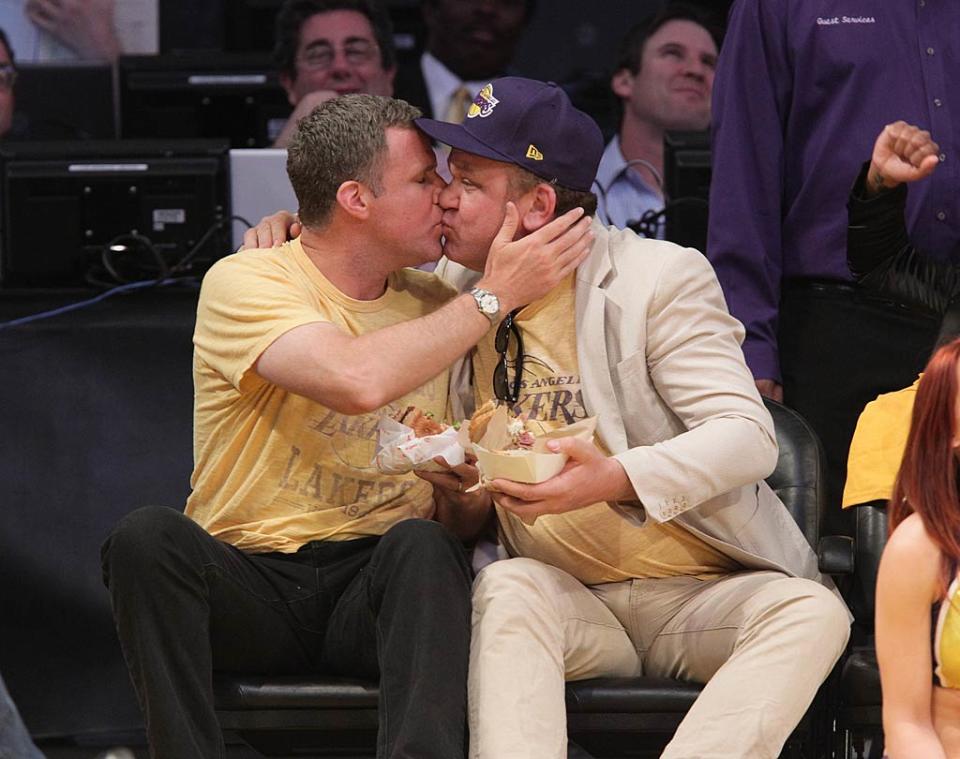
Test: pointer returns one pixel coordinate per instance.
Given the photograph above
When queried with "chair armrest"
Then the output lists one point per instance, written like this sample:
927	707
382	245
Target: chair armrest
835	554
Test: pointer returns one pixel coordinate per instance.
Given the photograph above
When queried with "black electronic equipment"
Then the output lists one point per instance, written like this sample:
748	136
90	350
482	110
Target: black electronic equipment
686	185
67	100
64	205
202	95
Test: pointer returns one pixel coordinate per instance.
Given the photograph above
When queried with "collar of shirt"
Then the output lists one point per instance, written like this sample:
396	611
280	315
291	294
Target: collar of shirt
613	167
624	195
442	83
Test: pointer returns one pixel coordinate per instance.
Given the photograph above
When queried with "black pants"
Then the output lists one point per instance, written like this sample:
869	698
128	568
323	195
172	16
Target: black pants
840	347
395	608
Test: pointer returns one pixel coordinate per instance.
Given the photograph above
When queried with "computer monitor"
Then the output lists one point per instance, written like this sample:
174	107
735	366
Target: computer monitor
259	186
202	95
63	204
67	100
686	184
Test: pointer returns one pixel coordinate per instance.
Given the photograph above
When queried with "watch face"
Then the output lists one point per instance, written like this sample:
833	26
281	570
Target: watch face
489	303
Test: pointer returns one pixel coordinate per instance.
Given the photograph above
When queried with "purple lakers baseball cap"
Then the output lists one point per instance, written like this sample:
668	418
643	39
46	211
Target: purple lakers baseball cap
528	123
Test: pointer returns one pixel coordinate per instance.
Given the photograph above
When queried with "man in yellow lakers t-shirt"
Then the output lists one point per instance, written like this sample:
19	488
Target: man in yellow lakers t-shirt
659	550
295	555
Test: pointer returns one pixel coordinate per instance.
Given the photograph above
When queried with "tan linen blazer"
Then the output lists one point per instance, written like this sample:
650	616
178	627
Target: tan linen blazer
662	369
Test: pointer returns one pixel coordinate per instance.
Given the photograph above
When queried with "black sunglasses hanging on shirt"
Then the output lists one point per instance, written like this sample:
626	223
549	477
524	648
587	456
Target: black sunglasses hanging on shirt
504	390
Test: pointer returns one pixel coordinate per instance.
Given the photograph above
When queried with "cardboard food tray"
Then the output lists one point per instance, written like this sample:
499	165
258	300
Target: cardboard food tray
519	466
528	466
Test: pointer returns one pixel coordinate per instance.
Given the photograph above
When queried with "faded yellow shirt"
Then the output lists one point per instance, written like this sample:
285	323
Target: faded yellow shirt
594	544
877	447
272	469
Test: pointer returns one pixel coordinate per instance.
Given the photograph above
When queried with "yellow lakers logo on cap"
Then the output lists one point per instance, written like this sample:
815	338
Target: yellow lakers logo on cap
533	153
483	104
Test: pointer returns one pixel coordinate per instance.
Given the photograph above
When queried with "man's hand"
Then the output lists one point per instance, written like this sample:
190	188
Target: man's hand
306	105
902	153
272	231
85	26
589	477
464	514
521	271
770	389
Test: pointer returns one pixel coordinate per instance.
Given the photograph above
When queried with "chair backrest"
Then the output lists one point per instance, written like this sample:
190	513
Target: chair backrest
799	477
870	539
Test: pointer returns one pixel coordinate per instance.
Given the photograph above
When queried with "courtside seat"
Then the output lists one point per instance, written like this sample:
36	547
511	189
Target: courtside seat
861	685
315	715
861	715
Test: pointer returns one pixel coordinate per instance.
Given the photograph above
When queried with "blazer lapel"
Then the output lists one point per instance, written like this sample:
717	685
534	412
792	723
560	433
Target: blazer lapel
596	382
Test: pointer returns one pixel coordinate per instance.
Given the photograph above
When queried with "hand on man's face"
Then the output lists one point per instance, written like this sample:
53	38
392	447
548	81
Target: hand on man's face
521	271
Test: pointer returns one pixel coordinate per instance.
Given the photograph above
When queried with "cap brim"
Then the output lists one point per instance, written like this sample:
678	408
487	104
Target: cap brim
457	137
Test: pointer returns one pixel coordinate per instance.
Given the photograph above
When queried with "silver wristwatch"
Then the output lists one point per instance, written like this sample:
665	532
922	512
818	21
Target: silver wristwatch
487	303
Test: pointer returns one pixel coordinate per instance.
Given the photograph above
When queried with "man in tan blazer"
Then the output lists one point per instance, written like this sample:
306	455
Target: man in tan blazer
660	549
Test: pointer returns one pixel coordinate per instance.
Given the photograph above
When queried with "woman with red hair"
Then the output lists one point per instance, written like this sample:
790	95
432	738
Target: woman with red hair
918	592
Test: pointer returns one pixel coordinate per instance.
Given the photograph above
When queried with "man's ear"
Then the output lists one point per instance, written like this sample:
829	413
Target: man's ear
354	198
538	207
622	83
286	81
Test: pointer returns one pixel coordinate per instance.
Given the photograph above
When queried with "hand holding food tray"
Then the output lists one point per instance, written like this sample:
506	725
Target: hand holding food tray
411	440
515	448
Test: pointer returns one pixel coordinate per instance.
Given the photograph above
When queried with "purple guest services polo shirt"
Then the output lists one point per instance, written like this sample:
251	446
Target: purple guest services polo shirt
803	88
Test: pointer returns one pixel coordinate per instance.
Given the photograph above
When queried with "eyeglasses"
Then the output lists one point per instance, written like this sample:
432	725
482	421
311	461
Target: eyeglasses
8	75
502	389
320	56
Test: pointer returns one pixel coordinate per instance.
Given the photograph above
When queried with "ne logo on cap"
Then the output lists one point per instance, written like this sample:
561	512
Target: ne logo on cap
483	104
533	153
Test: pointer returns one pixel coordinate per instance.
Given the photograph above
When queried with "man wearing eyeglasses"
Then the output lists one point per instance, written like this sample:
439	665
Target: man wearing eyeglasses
326	48
659	549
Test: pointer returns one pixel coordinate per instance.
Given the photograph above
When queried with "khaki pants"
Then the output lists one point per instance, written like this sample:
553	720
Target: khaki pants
761	641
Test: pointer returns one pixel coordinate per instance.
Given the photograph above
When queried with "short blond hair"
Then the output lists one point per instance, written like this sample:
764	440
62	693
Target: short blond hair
341	140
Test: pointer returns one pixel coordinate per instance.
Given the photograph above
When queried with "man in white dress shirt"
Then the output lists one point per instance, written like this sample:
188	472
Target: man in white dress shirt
663	80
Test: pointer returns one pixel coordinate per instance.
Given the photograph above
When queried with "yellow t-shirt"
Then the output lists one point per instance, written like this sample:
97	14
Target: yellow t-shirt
877	447
946	638
593	544
272	469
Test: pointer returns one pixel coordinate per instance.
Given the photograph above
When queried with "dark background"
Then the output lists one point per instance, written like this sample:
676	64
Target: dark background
563	38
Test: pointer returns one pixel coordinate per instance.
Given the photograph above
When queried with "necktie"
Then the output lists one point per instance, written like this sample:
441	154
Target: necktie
459	102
